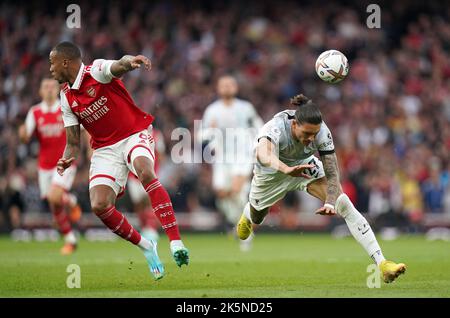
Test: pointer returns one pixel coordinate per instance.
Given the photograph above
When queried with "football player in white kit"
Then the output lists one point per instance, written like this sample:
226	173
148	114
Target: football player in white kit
286	162
230	124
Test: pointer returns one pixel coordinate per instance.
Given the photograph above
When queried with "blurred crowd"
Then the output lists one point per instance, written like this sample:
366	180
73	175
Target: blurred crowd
390	118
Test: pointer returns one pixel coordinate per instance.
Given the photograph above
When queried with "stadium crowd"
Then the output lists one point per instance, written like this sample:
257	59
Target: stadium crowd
390	117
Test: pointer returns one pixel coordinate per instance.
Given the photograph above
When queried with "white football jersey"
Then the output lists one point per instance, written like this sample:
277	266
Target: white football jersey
290	151
231	128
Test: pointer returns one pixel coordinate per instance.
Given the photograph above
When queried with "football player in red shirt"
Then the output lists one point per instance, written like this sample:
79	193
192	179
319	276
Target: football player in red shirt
45	122
94	96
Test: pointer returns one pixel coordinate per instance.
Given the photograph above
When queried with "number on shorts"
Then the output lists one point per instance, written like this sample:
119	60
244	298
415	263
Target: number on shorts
313	172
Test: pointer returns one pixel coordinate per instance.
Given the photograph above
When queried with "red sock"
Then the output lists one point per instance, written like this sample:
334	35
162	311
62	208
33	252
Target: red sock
148	219
118	223
61	219
162	207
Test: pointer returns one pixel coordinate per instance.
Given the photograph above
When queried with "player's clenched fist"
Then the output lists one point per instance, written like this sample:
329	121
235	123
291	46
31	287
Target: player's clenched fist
63	164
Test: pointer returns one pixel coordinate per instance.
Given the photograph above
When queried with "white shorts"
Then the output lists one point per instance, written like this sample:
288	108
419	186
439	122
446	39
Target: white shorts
47	178
136	190
110	165
267	189
223	173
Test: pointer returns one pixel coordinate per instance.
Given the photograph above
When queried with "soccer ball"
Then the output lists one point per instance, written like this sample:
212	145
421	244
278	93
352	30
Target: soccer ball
332	66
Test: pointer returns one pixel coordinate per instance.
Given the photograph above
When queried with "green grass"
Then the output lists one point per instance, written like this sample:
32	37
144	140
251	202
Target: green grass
278	266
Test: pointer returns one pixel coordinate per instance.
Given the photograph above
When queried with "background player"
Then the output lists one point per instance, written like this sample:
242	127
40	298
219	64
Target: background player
286	162
95	97
237	121
45	121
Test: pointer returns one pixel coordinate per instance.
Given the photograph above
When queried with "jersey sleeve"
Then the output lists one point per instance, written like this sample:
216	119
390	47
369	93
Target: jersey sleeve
272	131
30	123
68	116
101	71
324	141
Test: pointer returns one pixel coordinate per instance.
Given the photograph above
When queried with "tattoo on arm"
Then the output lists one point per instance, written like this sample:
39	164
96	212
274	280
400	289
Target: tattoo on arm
120	67
332	173
72	141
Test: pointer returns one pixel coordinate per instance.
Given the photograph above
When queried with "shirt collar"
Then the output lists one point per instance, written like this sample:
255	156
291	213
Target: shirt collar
77	83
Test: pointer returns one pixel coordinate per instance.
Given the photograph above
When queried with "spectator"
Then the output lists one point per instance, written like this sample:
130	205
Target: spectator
393	109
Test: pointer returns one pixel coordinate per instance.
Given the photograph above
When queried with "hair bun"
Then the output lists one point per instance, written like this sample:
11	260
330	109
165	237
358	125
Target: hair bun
300	100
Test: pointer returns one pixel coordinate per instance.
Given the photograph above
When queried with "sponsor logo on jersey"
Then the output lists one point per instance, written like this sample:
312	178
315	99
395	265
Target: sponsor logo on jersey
51	130
325	144
95	111
74	104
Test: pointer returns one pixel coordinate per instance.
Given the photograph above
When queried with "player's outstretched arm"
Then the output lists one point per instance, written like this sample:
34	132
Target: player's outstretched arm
330	167
265	153
71	150
128	63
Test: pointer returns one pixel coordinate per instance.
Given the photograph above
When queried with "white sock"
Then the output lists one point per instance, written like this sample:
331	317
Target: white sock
247	213
237	206
176	245
70	238
145	244
359	227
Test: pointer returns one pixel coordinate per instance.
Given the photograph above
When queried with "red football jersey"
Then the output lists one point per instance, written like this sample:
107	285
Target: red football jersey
47	123
101	103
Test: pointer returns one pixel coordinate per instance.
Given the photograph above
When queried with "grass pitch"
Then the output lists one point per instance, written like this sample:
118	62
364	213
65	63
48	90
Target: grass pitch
285	265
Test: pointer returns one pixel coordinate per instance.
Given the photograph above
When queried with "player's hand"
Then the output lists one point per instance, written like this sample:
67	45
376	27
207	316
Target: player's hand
297	171
63	164
327	209
139	60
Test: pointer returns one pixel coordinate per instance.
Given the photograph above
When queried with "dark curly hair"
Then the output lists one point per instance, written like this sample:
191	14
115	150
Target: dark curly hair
307	111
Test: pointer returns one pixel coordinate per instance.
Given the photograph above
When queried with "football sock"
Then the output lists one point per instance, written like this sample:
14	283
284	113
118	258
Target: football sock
70	238
359	227
118	223
61	218
247	213
162	207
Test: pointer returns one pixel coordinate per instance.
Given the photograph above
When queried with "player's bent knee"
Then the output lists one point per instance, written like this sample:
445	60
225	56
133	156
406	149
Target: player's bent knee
343	205
144	169
102	197
54	196
99	206
146	176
